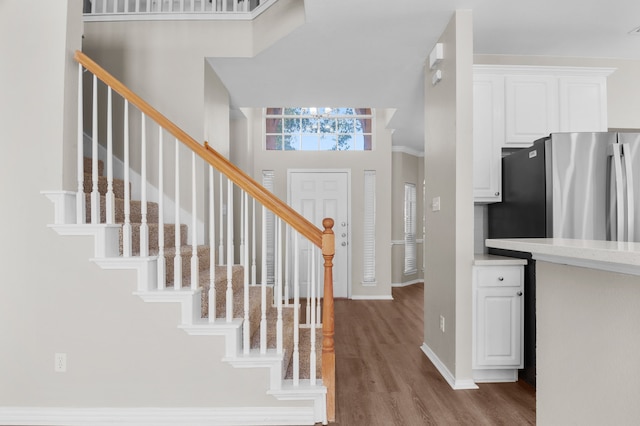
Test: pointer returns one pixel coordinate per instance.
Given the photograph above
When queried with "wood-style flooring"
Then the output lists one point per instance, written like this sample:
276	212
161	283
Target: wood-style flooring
383	377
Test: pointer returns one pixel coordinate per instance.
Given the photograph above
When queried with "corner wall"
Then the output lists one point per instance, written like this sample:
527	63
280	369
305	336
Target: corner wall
448	175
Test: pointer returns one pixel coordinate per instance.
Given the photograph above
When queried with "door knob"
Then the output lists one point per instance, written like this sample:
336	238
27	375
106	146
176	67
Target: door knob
519	293
500	278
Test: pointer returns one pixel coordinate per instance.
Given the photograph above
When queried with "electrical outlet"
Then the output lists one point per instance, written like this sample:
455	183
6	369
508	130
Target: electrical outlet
442	323
435	204
60	365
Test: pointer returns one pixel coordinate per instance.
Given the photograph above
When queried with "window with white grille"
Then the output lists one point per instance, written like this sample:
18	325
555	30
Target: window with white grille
410	249
369	273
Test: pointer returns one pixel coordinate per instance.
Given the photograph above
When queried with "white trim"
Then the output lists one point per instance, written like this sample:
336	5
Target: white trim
408	283
401	242
495	375
188	416
407	150
543	70
444	371
371	297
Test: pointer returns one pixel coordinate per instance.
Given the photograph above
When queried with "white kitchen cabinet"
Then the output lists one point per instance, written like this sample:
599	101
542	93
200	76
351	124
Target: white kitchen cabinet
498	321
515	105
531	108
488	134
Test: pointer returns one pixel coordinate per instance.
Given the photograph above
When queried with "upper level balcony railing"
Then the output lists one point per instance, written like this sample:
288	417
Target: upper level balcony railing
121	10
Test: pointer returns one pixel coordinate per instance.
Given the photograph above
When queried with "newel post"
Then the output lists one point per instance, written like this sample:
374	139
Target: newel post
328	347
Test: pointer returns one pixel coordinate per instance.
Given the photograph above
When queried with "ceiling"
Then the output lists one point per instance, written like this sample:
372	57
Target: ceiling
371	53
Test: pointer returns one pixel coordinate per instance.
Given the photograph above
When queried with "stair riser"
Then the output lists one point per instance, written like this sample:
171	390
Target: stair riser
118	186
203	264
135	211
169	237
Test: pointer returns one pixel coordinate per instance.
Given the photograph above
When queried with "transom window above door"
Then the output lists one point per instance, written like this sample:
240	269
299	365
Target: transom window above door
318	129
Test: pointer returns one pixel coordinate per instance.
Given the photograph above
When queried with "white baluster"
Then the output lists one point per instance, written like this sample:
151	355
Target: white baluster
242	229
235	5
115	6
162	262
229	250
81	200
109	198
296	310
193	5
170	5
253	243
286	265
195	279
148	6
177	259
307	307
221	220
319	288
126	228
126	6
137	6
95	194
104	6
93	7
224	5
312	355
144	227
263	301
279	323
181	5
212	254
202	5
246	331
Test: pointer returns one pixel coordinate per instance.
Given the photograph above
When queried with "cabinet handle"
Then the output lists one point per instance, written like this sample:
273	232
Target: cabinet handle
519	293
496	194
500	278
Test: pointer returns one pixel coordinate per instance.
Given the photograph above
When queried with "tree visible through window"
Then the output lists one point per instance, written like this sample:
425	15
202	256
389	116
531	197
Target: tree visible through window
318	129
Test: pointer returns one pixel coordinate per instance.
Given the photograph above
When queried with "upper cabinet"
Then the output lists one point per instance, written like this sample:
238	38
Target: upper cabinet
515	105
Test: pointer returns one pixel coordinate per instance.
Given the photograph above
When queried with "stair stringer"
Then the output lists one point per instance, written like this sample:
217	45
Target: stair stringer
107	256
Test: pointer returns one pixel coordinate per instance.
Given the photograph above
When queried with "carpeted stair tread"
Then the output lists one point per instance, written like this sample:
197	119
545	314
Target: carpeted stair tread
118	185
169	236
135	210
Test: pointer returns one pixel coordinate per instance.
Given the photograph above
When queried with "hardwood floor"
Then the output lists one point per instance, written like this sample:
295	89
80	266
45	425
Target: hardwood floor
384	378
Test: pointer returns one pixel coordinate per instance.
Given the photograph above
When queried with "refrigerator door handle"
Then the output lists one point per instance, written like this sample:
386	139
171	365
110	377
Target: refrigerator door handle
626	153
617	170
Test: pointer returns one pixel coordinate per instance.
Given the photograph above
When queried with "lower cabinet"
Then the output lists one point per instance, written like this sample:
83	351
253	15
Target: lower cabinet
498	322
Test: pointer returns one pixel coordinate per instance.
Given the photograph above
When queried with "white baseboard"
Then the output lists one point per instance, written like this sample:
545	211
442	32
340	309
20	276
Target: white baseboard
408	283
372	297
444	371
495	375
188	416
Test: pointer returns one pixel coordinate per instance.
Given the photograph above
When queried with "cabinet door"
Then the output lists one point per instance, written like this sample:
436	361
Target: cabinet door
499	327
488	134
531	110
583	104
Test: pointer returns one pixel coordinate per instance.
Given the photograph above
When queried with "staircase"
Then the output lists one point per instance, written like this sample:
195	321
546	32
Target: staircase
265	323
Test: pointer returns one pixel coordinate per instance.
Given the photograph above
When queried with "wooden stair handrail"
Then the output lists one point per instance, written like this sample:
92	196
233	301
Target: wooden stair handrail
211	156
325	240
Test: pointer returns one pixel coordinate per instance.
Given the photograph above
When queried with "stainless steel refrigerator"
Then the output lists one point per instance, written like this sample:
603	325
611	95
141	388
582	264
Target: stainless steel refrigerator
567	185
571	185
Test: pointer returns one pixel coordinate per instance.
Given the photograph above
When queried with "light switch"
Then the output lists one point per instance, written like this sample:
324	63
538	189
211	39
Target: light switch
435	204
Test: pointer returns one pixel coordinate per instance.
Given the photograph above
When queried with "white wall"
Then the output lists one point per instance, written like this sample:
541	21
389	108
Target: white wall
588	340
121	352
448	175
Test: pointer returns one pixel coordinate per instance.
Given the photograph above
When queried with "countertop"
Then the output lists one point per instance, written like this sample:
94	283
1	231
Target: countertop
613	256
493	260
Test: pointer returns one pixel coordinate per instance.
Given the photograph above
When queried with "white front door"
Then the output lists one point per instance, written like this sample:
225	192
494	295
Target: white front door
317	195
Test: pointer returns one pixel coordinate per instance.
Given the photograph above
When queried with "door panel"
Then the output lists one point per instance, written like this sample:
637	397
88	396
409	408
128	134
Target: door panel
318	195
